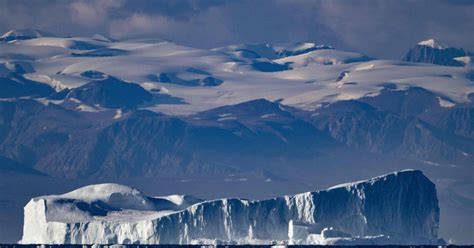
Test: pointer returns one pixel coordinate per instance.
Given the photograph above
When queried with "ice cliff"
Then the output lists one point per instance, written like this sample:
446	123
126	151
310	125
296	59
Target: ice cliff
397	208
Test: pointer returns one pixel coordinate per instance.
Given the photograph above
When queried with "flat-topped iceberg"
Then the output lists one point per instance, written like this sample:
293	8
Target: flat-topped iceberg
397	208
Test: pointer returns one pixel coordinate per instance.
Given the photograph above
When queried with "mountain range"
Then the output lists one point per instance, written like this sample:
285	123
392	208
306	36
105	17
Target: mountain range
81	108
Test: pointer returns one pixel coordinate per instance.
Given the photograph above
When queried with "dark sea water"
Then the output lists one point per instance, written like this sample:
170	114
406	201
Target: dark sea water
225	246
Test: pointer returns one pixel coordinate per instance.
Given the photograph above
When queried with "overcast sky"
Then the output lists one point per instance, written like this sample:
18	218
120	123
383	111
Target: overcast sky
383	29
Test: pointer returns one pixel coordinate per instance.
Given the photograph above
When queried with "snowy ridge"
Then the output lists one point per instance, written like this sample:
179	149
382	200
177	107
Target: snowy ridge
395	208
23	34
323	57
303	75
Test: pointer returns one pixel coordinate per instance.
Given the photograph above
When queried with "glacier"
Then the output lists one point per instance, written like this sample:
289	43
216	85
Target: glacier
397	208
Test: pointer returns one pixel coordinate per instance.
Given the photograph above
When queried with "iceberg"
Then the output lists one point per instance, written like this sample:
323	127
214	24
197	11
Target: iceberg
397	208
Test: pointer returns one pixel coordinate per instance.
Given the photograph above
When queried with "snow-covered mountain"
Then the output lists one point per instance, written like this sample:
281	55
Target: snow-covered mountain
433	52
23	34
400	208
94	108
292	73
106	94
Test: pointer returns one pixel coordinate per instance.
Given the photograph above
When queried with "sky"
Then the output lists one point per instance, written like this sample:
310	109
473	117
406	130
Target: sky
378	28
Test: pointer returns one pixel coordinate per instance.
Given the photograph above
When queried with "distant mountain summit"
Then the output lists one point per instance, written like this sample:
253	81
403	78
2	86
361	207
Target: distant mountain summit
111	93
271	51
23	34
433	52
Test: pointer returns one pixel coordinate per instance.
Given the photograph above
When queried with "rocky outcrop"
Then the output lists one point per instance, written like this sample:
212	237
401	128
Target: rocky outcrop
430	52
111	93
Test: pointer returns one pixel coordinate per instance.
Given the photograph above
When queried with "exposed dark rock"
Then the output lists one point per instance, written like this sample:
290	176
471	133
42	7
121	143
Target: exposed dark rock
111	93
435	55
16	85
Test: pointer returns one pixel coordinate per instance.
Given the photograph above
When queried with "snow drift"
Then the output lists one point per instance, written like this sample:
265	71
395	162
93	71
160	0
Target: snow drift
397	208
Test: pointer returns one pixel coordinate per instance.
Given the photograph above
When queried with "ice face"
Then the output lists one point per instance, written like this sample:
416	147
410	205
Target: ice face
398	208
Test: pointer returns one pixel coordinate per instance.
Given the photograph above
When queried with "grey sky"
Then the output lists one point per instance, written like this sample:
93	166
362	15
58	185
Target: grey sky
383	29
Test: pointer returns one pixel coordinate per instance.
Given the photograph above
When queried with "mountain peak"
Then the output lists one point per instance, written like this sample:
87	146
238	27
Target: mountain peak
100	37
434	52
24	34
111	92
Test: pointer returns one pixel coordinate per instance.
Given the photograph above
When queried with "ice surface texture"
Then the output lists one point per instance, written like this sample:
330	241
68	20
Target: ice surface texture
399	208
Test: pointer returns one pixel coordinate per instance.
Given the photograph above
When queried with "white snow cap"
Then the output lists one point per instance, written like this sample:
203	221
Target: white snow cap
433	43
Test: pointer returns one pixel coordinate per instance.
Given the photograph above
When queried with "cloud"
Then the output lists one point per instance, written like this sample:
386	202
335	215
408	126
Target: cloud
91	13
387	28
141	25
203	30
